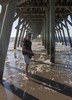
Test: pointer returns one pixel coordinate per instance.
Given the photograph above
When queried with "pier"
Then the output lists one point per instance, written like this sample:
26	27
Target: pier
51	67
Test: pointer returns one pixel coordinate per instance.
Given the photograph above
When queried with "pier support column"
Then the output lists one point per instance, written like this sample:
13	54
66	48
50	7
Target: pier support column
52	29
64	35
23	33
6	32
71	17
42	35
44	32
61	36
20	35
47	32
17	33
22	38
58	35
68	33
2	16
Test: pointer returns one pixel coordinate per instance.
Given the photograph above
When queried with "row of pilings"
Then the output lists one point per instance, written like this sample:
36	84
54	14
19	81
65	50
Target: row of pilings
48	30
51	31
60	34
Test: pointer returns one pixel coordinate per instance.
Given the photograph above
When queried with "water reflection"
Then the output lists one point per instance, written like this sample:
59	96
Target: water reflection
16	91
15	54
47	78
59	87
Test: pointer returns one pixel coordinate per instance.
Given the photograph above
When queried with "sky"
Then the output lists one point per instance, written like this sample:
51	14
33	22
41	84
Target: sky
13	32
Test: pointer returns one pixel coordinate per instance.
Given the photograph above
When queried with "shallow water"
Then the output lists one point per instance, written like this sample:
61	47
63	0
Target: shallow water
46	82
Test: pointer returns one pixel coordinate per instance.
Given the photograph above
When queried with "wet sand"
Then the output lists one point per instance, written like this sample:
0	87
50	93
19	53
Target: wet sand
47	82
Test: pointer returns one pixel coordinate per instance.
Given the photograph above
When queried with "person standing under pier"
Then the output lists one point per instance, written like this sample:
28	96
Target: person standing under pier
27	51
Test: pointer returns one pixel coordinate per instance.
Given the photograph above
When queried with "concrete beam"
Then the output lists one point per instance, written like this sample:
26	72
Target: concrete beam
69	10
21	2
3	2
33	14
28	6
6	32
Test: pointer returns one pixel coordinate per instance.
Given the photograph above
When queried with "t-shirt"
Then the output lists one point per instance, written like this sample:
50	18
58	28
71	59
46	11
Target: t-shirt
27	44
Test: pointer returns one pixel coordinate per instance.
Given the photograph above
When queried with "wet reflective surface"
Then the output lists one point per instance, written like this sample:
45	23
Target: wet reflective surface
45	82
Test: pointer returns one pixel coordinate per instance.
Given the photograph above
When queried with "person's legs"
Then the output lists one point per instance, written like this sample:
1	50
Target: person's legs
27	62
26	71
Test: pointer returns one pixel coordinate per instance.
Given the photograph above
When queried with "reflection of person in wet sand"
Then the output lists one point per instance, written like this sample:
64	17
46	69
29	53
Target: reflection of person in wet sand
27	51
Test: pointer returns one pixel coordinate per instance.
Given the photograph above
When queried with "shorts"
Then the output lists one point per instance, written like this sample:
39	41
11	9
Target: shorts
27	59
